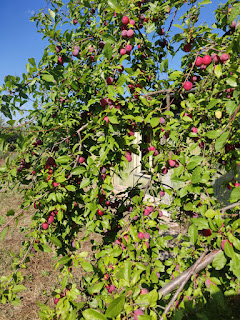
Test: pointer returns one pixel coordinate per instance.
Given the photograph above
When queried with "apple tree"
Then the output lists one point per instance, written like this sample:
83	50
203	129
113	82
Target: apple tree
105	75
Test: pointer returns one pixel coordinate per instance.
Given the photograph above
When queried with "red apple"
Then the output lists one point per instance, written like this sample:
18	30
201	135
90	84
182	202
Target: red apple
206	60
224	57
124	34
132	22
187	85
100	212
187	47
122	52
140	235
194	130
60	61
198	62
109	80
75	21
81	160
45	226
206	232
125	20
130	33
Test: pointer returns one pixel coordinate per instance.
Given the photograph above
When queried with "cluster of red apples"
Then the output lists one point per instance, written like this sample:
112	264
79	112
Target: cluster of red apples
203	62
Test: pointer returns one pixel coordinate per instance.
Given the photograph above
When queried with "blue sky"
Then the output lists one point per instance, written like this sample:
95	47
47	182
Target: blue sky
20	40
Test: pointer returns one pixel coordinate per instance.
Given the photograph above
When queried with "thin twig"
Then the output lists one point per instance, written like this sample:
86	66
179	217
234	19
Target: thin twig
188	276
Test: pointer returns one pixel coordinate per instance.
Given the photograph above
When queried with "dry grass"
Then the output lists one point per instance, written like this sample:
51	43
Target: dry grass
39	276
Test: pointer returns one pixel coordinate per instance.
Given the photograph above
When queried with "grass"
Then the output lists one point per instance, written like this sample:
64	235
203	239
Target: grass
39	274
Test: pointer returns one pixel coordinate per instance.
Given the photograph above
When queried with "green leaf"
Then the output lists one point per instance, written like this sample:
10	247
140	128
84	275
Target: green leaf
124	272
52	14
64	260
193	233
70	188
235	195
91	314
194	161
154	122
234	264
150	28
87	266
228	249
201	223
219	261
48	77
78	171
220	142
203	2
210	213
115	6
115	307
63	159
197	175
97	287
218	71
232	81
18	288
113	119
10	213
121	80
235	12
107	51
56	241
85	183
46	248
212	134
231	106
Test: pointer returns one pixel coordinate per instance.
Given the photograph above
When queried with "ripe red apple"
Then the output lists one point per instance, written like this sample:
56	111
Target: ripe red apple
172	163
58	49
194	130
206	232
165	170
187	85
162	193
130	33
124	34
122	52
50	219
224	57
233	25
100	212
125	20
140	235
45	226
75	21
101	44
132	22
162	120
237	184
81	160
106	276
161	31
128	48
106	119
111	288
60	61
206	60
146	235
198	62
55	184
152	148
215	58
56	300
103	102
144	291
109	80
187	47
76	50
